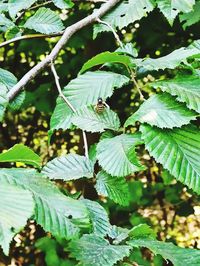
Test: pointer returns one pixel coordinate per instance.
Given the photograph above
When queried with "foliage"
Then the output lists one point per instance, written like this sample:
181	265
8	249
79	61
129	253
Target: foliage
89	197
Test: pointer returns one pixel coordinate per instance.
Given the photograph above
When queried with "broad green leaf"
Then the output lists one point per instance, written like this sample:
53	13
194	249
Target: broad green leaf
178	150
83	91
184	6
168	10
106	57
21	153
15	6
124	14
44	21
128	49
56	213
17	102
93	250
163	111
170	61
13	32
63	3
186	88
117	155
171	8
87	88
3	100
89	120
5	22
178	256
142	230
16	206
69	167
115	188
118	234
191	17
99	218
61	117
7	78
93	152
3	7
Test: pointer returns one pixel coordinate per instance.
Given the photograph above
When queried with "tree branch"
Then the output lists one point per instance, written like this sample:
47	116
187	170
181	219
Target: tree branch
69	31
69	104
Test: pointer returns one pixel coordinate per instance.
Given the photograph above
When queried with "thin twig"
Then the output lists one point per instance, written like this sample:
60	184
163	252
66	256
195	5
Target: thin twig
69	104
31	8
85	144
113	31
132	74
30	36
40	5
69	31
137	87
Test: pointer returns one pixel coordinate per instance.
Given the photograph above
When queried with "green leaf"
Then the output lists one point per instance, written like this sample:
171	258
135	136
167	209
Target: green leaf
3	7
128	49
186	88
61	117
168	10
118	234
5	22
170	61
99	218
16	206
142	230
63	3
3	100
44	21
178	256
191	17
115	188
117	155
17	102
87	88
163	111
69	167
15	6
89	120
178	150
106	57
56	213
12	33
7	78
184	6
171	8
21	153
124	14
83	91
92	250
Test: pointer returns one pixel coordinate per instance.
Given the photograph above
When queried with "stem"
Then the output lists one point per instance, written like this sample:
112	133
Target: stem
30	36
137	87
132	74
85	144
56	77
33	7
113	31
40	5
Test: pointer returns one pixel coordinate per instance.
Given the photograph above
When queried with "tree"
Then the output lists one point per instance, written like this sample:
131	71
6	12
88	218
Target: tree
75	197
